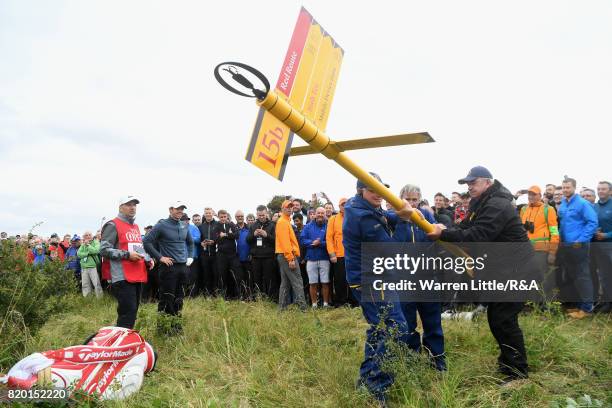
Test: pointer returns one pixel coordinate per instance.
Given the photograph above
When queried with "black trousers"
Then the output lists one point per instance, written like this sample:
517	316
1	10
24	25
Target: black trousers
263	274
305	281
341	287
193	275
150	290
128	299
247	285
208	275
503	322
172	284
231	275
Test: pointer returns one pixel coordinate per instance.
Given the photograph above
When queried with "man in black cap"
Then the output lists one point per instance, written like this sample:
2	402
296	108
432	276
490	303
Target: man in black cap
491	217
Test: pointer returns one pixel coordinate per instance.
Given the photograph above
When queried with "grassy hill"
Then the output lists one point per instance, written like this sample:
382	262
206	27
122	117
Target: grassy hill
248	354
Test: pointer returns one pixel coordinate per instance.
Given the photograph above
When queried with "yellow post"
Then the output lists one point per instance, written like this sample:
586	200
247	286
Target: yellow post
319	141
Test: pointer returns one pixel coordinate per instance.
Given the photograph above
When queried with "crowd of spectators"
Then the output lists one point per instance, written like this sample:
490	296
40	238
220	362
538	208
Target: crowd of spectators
243	256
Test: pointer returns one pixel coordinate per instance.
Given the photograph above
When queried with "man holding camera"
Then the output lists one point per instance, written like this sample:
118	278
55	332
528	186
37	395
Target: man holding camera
540	221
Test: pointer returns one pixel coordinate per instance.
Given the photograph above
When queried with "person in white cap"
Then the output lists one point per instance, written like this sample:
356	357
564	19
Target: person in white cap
124	260
171	244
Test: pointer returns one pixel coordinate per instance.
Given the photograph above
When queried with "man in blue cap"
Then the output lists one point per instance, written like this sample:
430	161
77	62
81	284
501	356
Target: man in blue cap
491	217
364	221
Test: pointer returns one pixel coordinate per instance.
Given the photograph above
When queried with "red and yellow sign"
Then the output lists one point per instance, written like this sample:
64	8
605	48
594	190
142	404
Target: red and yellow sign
308	82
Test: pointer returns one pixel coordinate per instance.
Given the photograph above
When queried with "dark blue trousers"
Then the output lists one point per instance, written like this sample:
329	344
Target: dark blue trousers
390	312
433	337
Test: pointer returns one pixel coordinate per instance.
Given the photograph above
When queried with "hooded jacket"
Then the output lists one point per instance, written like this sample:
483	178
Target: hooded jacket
362	223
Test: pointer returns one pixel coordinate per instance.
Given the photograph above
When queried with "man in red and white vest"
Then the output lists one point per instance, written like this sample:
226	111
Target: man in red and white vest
124	261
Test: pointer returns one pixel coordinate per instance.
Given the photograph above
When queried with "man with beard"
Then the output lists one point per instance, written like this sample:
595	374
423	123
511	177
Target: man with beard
549	192
577	225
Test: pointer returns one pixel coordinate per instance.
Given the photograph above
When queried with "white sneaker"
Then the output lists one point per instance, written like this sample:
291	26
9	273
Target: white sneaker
314	306
464	316
448	315
479	309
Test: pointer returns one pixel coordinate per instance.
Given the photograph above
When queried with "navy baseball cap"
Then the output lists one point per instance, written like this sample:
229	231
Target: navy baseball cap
361	184
476	172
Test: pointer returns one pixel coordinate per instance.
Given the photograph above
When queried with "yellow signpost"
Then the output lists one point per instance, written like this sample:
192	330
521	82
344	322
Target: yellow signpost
300	105
308	82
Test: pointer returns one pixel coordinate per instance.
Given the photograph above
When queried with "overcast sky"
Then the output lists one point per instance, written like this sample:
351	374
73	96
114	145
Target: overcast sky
100	99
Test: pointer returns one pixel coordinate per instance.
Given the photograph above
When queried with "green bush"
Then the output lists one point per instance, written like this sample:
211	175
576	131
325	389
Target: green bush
29	296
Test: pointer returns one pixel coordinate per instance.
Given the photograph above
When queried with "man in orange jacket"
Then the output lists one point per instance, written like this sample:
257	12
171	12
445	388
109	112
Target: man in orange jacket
540	221
335	249
287	251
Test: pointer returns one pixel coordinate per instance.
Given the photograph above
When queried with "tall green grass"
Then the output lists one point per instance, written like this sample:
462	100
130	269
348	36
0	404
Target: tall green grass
235	354
29	295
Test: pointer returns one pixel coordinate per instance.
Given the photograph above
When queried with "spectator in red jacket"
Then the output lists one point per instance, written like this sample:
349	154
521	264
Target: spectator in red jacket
54	246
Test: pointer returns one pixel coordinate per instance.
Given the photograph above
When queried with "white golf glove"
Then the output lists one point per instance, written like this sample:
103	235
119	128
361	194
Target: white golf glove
189	261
